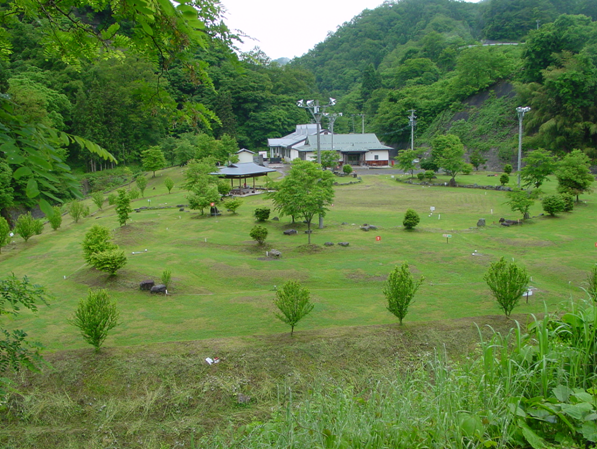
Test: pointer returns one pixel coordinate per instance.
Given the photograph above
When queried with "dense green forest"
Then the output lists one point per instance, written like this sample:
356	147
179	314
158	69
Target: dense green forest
208	100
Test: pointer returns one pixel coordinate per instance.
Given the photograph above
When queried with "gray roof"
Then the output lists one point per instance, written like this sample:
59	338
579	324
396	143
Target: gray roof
244	150
299	135
345	143
243	170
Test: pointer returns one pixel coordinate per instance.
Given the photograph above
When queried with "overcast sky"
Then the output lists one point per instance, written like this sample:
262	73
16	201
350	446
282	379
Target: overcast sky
284	28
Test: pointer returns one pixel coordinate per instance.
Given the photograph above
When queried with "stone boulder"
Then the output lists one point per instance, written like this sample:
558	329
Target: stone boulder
275	253
343	243
481	222
290	231
329	243
159	288
146	285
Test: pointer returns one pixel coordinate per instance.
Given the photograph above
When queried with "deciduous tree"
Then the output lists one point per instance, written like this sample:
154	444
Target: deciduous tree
406	161
538	165
294	303
573	174
153	159
95	317
15	350
141	182
307	190
169	184
400	289
521	201
4	233
507	282
96	240
123	207
448	152
26	226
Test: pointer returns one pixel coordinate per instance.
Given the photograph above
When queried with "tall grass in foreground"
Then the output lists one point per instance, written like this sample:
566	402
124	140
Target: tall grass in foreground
532	389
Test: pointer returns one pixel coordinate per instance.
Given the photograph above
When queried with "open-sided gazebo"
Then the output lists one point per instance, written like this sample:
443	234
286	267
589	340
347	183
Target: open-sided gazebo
242	171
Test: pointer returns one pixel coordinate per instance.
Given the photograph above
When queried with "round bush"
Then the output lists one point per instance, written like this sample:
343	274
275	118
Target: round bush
259	234
504	179
552	204
411	219
467	169
347	169
420	176
568	202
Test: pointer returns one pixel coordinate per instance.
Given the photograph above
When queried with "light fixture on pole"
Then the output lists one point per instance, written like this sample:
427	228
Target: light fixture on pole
316	111
521	112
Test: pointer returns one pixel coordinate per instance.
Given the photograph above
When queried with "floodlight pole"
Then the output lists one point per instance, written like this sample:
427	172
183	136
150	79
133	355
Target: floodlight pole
521	112
317	111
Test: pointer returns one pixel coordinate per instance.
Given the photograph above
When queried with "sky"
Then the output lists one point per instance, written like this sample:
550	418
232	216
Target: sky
285	28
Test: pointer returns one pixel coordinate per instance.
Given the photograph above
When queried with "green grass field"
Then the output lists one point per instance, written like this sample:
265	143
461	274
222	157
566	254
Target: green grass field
223	283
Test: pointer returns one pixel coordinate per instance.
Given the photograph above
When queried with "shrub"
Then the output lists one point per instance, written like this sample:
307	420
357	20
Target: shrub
96	240
38	227
346	169
508	169
112	199
568	202
420	176
4	232
467	169
507	282
169	184
259	234
109	261
98	199
134	193
233	204
592	281
293	302
123	207
95	317
429	175
141	182
166	278
77	209
504	179
411	219
428	164
56	218
25	226
553	204
400	289
224	188
262	213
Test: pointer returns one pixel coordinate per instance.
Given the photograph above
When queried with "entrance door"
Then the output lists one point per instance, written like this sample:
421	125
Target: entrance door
354	159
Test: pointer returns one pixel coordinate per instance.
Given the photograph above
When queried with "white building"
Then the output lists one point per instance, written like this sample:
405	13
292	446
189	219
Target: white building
245	155
353	149
283	147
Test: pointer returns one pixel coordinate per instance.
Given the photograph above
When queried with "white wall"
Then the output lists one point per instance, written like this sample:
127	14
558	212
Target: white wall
383	155
245	157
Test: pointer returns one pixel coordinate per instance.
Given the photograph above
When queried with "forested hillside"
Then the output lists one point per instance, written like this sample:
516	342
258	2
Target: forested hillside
205	100
429	56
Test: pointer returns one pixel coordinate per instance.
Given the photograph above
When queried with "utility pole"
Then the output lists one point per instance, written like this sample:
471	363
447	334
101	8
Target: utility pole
331	120
413	122
317	111
362	122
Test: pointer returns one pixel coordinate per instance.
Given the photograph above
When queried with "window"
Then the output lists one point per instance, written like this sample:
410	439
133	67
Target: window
376	157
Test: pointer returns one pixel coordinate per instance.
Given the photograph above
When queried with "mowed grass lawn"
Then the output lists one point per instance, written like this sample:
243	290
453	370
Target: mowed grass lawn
223	283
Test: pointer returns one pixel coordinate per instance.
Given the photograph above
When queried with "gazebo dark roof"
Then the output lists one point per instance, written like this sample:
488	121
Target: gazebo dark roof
243	170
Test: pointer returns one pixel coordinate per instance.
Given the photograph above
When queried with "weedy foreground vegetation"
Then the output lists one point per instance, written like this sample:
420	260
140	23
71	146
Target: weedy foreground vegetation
350	376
